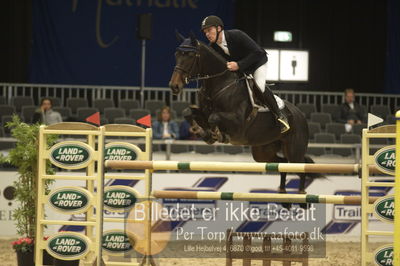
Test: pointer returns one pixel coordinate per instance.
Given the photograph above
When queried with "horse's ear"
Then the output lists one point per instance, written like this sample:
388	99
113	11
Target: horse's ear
179	36
193	38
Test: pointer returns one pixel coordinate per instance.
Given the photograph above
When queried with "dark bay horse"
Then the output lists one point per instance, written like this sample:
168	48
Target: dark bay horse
225	108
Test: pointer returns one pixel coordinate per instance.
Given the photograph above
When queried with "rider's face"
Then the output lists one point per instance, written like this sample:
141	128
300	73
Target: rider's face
211	33
349	97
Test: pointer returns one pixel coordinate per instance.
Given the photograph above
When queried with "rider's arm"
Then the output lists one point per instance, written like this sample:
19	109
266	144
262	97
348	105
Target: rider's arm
254	52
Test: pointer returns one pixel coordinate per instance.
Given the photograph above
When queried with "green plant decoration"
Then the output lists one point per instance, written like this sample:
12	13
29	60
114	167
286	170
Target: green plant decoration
25	157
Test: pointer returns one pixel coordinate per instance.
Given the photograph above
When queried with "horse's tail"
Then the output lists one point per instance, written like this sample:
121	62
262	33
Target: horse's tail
307	159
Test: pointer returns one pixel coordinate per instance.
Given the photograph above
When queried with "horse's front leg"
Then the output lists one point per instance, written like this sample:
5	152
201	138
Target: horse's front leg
199	123
224	125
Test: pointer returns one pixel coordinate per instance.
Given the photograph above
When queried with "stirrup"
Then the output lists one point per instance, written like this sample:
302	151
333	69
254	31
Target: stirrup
285	125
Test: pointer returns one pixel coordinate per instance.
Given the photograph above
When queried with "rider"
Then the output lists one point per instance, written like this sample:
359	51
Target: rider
244	55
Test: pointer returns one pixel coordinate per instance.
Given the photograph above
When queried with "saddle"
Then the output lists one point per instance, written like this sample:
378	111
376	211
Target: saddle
254	91
256	95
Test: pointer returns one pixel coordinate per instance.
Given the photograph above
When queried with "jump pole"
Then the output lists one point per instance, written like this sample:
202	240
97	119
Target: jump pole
236	166
262	197
396	236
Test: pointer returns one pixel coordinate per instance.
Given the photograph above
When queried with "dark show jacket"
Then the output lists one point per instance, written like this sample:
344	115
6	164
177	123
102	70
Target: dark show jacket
346	113
243	50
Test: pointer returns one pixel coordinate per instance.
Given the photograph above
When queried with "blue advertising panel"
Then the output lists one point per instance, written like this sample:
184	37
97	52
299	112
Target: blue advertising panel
95	42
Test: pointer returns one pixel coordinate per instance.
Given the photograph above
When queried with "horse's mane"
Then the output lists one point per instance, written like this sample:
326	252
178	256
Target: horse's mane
214	57
187	45
213	52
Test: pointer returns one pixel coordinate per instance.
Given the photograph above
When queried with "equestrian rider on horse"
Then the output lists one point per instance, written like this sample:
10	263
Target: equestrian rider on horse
244	55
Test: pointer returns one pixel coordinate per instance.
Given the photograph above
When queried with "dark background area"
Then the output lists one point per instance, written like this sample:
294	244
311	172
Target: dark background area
15	47
346	40
351	43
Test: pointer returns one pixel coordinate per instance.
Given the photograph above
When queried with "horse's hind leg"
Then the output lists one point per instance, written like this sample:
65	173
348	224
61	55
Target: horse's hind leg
302	185
268	153
296	156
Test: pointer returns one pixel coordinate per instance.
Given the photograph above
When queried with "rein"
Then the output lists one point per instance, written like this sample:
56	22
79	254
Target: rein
196	62
209	100
219	93
198	77
205	77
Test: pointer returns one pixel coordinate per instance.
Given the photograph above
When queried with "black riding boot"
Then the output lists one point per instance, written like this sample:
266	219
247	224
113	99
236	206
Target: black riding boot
270	102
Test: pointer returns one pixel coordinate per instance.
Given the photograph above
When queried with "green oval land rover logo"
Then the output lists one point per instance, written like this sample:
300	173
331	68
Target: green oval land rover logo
119	198
71	154
384	208
116	241
118	151
384	256
68	245
385	159
70	199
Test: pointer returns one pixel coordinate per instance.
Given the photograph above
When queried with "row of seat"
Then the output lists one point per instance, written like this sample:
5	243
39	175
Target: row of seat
325	137
334	128
19	102
74	103
5	132
325	119
110	115
333	110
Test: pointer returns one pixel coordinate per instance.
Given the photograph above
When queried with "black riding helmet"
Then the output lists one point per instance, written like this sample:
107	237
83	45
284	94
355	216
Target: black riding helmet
211	21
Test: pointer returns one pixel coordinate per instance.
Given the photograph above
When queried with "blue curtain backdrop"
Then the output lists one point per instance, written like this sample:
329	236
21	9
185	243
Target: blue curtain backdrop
94	41
393	47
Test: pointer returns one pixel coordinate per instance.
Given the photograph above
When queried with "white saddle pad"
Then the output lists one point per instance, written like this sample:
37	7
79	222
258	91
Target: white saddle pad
279	101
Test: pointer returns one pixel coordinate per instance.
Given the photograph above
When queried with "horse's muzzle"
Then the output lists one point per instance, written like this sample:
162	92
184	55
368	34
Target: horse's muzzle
175	88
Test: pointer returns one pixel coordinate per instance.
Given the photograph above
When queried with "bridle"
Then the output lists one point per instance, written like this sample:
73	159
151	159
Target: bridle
188	73
190	77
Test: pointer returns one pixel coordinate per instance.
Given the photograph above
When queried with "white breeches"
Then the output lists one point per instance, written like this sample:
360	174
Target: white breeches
260	76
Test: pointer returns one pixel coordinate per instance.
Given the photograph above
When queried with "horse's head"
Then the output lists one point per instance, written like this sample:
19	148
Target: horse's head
186	55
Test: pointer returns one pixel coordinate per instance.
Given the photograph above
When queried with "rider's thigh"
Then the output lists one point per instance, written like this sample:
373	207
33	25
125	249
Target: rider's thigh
260	76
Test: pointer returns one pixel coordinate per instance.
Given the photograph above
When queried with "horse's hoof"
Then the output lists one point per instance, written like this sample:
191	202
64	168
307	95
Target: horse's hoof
209	141
282	190
226	139
207	137
223	138
197	130
214	137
